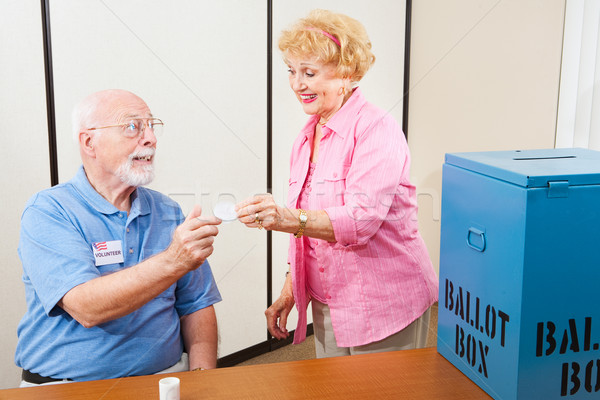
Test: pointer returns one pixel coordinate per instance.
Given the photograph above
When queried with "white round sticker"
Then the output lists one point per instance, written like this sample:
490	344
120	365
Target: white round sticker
225	211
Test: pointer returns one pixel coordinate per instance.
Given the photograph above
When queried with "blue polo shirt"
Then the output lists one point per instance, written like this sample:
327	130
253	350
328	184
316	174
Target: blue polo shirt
59	227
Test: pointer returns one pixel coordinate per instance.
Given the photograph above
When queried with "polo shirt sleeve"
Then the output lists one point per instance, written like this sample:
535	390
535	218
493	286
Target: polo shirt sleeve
379	167
55	256
196	290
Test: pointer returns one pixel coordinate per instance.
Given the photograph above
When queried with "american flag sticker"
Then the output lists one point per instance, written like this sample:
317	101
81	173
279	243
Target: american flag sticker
110	252
100	246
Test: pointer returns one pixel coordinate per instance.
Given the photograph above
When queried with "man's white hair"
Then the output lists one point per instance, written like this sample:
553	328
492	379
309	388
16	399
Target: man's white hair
84	114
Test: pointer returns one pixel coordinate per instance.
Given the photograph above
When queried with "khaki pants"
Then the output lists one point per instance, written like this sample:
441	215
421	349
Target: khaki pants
414	336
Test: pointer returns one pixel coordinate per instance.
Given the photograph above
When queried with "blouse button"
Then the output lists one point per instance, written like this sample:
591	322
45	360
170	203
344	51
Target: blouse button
321	269
130	251
328	297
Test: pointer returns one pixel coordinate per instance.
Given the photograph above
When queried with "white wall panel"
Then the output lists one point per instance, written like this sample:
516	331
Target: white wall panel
23	157
383	86
200	66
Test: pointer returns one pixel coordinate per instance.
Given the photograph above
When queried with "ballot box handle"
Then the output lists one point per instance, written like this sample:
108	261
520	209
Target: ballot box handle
476	239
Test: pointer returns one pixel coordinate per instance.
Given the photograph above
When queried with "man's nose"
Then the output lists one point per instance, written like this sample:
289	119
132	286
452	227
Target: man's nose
147	137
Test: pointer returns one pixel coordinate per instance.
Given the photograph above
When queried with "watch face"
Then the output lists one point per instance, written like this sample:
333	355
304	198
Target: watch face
303	217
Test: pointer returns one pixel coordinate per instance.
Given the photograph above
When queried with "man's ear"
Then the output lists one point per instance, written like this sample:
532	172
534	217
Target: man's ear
86	143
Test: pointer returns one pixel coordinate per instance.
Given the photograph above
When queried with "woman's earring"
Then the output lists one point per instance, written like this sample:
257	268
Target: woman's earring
343	90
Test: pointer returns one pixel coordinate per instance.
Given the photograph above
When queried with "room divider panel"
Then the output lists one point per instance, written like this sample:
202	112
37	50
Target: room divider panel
200	66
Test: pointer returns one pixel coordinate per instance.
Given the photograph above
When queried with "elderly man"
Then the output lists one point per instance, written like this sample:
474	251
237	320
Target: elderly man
116	281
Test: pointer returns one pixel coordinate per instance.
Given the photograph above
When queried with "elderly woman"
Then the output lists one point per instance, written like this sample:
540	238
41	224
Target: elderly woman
355	251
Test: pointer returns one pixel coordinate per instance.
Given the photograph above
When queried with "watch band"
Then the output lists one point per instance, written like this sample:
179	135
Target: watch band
302	218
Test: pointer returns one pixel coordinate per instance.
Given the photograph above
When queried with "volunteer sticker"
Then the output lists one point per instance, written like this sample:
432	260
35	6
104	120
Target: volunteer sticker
108	252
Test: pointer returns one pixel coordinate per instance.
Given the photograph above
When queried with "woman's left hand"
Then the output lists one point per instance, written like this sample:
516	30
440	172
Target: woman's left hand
261	211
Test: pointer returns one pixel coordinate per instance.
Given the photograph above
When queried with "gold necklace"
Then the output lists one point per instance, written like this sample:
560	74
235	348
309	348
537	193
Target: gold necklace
324	122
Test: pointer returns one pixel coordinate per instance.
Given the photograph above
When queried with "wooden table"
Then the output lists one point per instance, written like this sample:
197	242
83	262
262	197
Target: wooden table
409	374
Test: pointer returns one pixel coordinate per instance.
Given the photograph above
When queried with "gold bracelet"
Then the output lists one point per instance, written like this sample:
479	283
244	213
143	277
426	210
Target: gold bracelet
302	218
198	369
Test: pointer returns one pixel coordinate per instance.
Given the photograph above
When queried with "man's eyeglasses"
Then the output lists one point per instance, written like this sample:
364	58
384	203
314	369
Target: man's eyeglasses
136	127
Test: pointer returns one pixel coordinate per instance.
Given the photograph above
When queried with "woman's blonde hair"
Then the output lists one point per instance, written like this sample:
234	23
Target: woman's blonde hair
310	37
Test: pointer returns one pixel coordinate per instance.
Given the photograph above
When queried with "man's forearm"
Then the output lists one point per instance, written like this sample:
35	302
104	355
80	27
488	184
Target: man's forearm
200	336
113	296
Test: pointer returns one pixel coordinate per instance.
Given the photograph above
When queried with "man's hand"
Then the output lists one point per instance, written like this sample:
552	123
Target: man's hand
193	240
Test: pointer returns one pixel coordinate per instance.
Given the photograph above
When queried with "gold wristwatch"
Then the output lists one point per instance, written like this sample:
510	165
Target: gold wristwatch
302	218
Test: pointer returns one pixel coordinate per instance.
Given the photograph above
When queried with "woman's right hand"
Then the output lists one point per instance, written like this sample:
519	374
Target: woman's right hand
278	312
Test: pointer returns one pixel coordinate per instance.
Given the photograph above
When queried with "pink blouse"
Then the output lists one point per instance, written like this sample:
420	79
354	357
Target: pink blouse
377	276
314	283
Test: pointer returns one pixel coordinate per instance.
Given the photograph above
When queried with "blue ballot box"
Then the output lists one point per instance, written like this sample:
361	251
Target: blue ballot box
519	307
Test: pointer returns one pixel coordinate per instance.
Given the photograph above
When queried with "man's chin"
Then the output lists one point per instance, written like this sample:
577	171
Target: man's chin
138	179
136	176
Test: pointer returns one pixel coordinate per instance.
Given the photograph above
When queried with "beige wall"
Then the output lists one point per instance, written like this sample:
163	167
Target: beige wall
484	76
23	158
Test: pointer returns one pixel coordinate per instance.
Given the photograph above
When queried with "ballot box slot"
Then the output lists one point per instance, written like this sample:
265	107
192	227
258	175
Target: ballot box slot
541	158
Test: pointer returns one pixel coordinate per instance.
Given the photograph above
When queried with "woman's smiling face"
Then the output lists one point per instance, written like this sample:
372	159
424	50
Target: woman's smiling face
316	86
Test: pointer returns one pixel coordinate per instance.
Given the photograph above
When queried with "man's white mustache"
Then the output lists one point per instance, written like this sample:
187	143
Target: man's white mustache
141	154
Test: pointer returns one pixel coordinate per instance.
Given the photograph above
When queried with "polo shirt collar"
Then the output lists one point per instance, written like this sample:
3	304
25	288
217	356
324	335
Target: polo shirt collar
139	200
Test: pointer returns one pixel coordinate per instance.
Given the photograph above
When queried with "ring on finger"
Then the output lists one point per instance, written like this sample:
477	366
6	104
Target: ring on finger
258	221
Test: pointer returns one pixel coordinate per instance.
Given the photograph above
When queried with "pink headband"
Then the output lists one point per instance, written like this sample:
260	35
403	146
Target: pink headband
329	35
